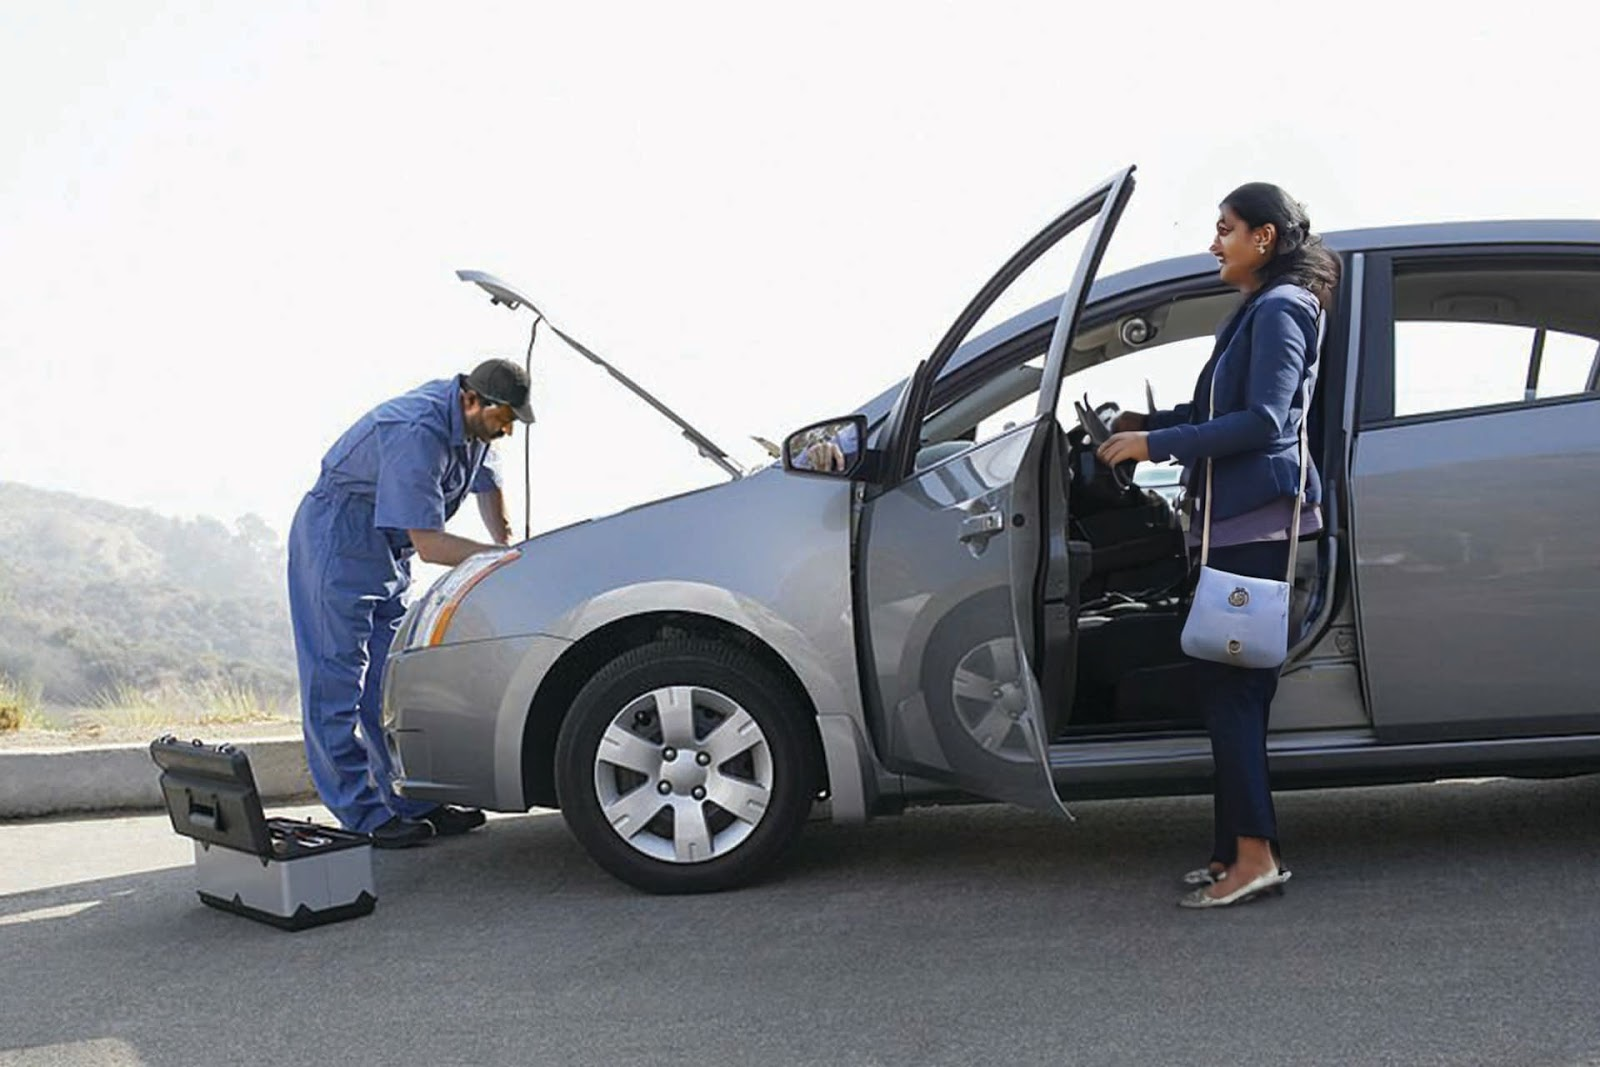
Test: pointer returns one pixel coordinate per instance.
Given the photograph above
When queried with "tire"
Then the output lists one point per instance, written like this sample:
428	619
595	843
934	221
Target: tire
644	748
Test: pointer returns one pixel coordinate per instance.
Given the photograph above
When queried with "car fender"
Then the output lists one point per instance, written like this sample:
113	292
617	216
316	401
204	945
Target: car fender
818	671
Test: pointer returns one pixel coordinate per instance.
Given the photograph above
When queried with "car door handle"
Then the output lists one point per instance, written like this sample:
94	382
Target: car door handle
982	526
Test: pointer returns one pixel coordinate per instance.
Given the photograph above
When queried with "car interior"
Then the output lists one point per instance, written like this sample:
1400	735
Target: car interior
1130	563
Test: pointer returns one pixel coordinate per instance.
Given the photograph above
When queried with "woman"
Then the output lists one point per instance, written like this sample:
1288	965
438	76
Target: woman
1263	356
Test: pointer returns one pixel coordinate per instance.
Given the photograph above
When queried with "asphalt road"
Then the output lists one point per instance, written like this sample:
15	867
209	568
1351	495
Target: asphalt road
1456	923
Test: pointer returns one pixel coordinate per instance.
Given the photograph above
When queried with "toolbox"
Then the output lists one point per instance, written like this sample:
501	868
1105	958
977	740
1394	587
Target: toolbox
285	872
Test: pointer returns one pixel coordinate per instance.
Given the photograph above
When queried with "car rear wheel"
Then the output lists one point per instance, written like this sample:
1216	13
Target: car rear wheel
684	766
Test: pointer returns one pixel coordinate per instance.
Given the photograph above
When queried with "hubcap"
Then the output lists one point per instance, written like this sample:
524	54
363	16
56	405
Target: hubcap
683	774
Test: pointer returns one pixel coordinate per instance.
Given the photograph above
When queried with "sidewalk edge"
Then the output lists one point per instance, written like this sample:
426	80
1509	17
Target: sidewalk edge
122	777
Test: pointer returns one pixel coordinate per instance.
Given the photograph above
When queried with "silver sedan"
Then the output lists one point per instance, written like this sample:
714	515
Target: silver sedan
943	595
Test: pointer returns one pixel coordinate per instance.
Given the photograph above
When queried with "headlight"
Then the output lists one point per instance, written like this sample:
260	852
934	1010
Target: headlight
439	604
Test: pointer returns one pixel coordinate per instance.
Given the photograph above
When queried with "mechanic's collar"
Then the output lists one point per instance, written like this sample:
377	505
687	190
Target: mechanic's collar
458	425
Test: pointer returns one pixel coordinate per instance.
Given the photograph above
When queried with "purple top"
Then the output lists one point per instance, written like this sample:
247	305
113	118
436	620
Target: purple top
1267	523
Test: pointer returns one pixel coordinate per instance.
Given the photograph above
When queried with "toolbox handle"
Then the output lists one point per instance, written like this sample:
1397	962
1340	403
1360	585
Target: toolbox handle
203	816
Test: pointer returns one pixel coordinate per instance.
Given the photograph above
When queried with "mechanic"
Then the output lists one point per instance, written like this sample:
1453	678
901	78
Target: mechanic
387	488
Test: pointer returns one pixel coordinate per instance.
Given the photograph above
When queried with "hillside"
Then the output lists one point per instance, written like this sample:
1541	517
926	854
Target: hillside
99	601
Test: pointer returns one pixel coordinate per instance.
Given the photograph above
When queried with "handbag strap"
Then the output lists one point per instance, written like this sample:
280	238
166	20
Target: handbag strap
1305	412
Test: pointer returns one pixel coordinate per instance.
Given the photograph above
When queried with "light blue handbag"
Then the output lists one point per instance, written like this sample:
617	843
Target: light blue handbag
1234	619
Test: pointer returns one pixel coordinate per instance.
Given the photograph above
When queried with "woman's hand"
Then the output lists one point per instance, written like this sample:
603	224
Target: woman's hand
1121	447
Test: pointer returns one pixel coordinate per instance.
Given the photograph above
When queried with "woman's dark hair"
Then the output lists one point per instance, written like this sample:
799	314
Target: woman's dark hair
1299	255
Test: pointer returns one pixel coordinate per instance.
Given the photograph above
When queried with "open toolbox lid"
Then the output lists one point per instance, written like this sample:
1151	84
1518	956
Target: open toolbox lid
211	794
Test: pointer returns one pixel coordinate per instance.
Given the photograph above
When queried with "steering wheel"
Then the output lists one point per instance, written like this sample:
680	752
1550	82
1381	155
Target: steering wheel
1098	431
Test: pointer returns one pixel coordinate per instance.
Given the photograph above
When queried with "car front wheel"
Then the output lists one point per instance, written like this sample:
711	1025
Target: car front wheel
684	766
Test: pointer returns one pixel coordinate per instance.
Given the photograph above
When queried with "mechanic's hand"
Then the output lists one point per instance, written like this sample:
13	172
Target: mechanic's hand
1121	447
1127	422
825	456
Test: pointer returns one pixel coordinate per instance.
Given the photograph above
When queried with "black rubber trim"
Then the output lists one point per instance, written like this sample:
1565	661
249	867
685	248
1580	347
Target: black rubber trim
304	918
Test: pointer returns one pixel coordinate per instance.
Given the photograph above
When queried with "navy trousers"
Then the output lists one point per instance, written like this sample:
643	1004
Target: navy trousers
1236	702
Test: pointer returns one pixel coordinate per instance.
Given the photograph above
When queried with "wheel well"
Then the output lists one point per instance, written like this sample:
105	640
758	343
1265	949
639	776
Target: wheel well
581	662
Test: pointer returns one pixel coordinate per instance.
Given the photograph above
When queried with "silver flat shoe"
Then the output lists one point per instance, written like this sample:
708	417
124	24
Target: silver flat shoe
1202	876
1270	882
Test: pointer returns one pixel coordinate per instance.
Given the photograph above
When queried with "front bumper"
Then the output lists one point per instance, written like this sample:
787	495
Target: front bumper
453	718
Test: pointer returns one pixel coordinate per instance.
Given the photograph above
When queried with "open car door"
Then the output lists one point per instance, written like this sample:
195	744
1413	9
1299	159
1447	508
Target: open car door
952	562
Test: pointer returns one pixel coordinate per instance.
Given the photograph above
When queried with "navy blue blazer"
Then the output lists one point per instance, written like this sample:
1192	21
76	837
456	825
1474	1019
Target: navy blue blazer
1262	356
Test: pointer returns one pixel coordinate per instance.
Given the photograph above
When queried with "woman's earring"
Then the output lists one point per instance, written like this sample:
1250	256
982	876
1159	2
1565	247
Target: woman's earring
1262	249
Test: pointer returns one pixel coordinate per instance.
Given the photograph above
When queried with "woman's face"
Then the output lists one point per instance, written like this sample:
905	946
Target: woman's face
1238	249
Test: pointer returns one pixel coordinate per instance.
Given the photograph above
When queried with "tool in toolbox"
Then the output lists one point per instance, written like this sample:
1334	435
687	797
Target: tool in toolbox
285	872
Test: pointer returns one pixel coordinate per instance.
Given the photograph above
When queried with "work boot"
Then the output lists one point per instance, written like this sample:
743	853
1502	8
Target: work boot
448	820
401	833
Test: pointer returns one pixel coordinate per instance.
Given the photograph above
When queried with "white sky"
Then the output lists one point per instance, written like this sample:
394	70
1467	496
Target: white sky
228	229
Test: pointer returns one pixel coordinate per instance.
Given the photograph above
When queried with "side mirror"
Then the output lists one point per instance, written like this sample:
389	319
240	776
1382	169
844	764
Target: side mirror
834	448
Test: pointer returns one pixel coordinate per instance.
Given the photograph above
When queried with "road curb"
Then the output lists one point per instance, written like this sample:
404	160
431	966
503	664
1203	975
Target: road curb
57	781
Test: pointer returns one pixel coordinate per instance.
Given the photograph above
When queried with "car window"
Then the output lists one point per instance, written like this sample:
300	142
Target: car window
1165	345
1170	369
1470	336
1002	419
1102	364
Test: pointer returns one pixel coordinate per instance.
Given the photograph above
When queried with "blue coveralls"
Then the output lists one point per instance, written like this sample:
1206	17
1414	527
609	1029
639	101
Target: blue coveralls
406	465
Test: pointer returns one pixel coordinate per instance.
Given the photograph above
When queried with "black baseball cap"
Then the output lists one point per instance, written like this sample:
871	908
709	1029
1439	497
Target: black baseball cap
500	381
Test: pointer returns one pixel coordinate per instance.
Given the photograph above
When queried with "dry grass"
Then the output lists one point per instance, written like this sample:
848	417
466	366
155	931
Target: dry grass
208	704
230	702
126	713
127	705
19	706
